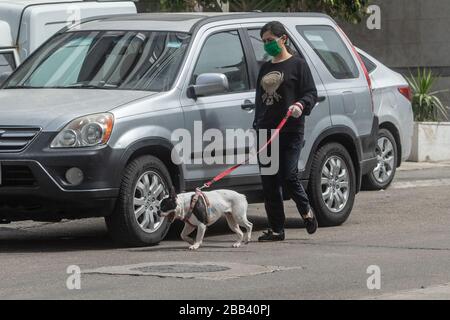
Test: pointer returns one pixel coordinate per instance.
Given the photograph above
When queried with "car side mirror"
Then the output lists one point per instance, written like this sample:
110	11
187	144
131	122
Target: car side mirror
208	84
4	76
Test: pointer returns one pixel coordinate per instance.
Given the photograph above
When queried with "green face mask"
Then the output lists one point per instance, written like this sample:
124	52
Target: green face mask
273	48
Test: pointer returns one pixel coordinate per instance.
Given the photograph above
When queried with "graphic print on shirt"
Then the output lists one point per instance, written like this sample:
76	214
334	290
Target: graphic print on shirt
270	83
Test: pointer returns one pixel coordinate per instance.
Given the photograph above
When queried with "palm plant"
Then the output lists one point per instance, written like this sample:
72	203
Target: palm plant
426	104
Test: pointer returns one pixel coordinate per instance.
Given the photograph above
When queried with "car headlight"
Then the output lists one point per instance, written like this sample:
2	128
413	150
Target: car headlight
88	131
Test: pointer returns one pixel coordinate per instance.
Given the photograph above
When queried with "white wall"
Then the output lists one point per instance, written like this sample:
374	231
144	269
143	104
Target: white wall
431	142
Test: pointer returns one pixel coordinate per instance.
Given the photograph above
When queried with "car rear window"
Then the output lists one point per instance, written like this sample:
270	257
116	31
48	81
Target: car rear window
330	48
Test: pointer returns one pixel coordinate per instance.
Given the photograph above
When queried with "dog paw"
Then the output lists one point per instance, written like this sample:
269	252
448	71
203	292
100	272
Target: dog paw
194	247
237	245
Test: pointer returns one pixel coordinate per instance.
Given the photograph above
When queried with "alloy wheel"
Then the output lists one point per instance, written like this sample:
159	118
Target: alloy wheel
150	189
385	156
335	182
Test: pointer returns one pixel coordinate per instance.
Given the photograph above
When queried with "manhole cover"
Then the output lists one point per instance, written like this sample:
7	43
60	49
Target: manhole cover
181	268
190	270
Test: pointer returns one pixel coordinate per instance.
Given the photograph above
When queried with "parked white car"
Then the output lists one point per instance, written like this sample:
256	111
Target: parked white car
26	24
9	57
392	99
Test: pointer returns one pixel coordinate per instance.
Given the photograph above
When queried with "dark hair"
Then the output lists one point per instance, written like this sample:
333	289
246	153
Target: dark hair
278	30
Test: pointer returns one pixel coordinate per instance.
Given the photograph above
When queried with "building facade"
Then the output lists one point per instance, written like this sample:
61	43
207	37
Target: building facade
413	34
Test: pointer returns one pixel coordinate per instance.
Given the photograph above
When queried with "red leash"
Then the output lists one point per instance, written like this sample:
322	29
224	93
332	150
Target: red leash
223	174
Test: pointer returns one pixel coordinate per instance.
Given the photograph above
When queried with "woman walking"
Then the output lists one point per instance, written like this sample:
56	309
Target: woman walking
284	83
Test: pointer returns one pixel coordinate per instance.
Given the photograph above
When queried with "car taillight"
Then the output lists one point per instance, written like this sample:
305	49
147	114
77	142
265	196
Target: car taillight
363	66
407	92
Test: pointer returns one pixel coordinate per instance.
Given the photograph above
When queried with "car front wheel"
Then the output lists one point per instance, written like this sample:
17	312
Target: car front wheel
135	220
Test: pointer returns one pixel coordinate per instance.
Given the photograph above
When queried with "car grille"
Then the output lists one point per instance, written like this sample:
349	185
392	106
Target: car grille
17	176
15	139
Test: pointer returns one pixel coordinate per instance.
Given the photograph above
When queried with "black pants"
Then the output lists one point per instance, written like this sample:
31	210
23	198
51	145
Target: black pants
290	145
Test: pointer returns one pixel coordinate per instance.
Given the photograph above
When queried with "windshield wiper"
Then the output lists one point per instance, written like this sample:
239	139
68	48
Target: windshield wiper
22	87
75	86
82	85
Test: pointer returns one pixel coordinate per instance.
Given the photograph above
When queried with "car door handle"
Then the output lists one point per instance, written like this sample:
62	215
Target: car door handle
248	105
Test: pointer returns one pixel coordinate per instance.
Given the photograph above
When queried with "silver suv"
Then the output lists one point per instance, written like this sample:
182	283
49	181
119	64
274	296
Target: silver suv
86	121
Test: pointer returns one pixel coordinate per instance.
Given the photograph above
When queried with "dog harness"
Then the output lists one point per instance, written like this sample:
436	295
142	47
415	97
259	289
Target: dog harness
201	216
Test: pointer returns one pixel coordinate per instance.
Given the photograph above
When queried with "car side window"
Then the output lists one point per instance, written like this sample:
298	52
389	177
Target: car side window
258	46
330	48
7	63
223	53
370	66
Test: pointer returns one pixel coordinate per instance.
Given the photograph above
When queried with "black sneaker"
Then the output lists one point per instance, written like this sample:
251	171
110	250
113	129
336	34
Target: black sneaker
311	223
269	235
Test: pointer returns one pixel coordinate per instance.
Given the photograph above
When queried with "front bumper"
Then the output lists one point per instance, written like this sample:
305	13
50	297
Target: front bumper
34	184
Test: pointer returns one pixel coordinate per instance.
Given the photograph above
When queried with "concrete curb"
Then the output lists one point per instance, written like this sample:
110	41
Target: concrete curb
407	166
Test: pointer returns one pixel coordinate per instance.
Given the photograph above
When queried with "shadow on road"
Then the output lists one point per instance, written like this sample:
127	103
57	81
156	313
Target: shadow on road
52	239
55	244
221	227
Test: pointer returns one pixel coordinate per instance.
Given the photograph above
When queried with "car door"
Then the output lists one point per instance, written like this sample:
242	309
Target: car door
320	115
344	79
220	51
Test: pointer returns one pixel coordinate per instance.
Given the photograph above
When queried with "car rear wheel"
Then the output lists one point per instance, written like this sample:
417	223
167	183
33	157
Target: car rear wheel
383	174
135	220
332	185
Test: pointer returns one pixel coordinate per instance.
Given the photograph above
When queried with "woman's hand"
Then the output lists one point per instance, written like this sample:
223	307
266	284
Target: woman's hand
296	109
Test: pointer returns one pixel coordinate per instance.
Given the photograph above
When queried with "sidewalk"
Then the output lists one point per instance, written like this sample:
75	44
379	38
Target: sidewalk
407	166
441	292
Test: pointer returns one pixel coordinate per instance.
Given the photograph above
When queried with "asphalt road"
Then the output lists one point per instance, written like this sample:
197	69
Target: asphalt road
404	231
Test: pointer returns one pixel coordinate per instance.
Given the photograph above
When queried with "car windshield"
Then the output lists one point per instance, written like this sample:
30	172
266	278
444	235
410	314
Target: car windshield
127	60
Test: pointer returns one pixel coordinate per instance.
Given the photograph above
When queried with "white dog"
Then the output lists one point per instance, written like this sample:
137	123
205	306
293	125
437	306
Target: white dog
200	210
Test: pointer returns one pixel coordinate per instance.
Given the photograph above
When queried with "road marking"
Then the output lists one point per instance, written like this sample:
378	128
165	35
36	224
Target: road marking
441	292
421	183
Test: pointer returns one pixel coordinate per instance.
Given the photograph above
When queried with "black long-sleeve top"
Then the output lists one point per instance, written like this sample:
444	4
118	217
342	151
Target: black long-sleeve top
279	86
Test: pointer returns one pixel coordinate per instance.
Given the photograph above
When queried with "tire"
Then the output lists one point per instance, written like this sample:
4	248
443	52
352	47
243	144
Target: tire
370	181
334	215
123	226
